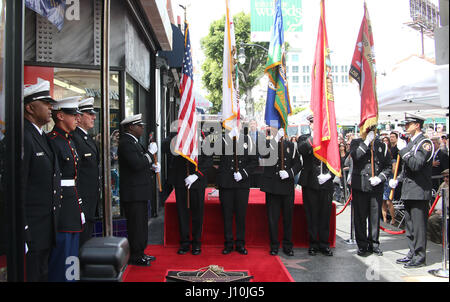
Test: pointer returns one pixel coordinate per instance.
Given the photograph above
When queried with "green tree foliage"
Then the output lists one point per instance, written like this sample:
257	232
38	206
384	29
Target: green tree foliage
249	74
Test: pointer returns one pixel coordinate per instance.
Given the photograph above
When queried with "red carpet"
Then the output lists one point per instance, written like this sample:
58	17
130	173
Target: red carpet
262	266
257	229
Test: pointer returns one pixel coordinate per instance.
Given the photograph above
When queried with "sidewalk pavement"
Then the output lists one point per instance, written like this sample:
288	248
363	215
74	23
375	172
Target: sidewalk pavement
346	265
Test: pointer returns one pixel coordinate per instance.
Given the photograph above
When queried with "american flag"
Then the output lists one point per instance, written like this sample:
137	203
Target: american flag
187	141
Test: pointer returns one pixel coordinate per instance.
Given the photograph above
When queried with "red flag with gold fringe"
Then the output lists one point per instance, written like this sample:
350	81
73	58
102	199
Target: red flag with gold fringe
325	136
363	71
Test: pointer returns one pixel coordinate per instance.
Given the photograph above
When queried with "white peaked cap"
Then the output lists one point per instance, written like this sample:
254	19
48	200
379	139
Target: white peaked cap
134	119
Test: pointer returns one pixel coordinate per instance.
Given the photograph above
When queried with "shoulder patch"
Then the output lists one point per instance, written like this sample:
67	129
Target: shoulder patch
427	146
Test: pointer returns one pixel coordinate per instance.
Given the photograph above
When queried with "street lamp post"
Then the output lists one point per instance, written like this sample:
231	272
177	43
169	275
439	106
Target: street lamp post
241	55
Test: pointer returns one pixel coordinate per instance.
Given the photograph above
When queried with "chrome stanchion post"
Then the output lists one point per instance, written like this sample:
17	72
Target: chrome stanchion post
351	240
443	272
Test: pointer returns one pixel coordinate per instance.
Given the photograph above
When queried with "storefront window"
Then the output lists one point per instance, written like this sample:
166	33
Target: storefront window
67	82
131	103
3	234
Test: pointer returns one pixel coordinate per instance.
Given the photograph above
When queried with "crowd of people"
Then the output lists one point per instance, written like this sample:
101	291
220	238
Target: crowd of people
62	184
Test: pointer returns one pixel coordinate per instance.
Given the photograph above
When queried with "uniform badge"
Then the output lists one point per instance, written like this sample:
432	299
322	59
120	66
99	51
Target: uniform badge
380	150
427	147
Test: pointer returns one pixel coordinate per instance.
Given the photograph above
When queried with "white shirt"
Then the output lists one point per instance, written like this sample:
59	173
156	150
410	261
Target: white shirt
38	129
84	131
137	141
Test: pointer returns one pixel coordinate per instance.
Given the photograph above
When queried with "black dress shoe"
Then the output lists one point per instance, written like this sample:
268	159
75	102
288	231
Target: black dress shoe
377	251
149	257
289	253
403	260
362	252
414	264
242	250
196	251
312	251
226	251
274	252
326	251
182	251
140	262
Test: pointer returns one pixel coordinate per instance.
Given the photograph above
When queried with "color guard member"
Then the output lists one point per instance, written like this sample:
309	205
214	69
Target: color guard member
317	187
368	176
185	178
417	157
278	184
237	163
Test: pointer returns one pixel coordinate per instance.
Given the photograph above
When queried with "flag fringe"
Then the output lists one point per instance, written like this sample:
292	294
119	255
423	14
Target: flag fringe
188	158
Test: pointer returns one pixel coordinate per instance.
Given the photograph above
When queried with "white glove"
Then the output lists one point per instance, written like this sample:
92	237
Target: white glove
279	135
188	181
393	183
156	168
153	148
83	218
323	178
401	144
237	176
369	138
284	174
374	181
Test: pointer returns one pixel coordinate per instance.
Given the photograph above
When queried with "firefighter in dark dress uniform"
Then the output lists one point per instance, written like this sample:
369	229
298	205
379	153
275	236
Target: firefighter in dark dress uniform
234	187
278	184
367	189
317	188
71	217
184	177
417	157
137	171
89	164
40	182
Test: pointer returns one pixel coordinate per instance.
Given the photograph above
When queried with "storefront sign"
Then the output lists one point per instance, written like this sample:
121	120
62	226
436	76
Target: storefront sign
262	15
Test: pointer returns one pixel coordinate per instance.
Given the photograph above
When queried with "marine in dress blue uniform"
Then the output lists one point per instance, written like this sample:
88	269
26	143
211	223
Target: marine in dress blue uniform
417	157
71	217
40	182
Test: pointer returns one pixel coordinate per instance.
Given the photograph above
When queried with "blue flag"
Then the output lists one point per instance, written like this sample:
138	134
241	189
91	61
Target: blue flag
53	10
278	106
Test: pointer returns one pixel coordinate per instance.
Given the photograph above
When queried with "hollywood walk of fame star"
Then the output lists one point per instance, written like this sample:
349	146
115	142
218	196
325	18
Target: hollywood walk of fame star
294	263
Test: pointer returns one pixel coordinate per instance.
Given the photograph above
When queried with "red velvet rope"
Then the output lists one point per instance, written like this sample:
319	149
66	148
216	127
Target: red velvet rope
403	231
348	201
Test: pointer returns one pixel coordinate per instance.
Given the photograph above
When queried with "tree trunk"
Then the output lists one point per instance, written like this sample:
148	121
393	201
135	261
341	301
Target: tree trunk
249	104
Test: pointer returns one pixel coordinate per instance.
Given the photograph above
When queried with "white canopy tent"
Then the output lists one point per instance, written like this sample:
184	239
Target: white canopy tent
412	86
